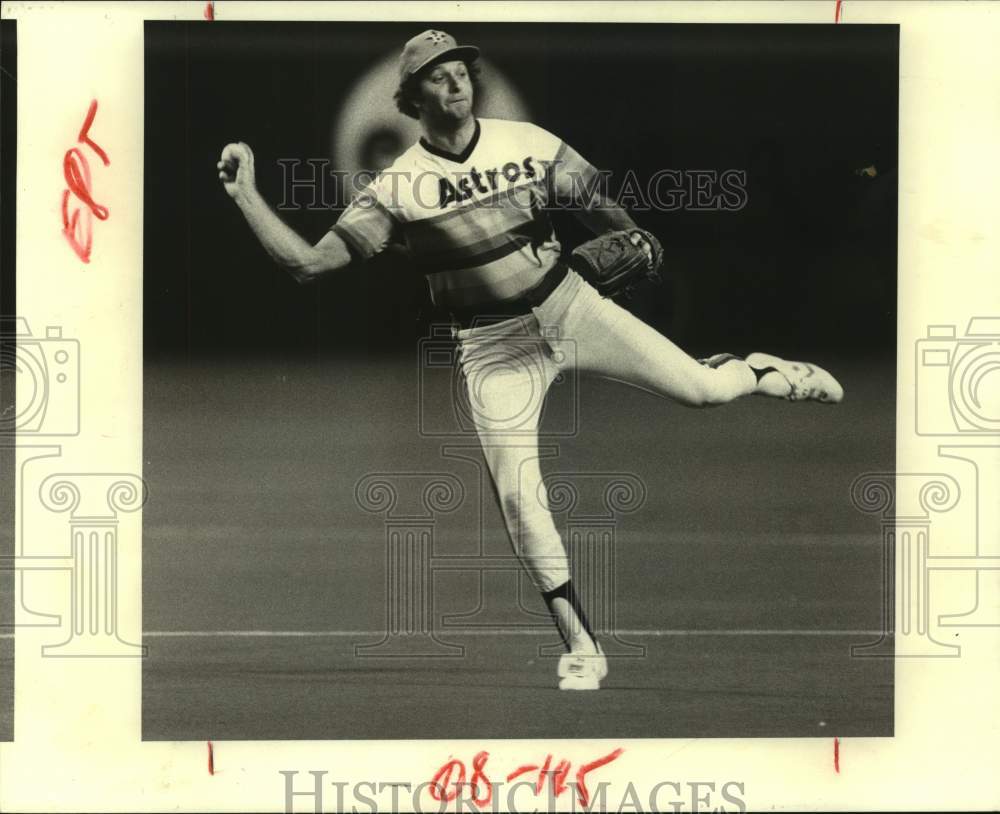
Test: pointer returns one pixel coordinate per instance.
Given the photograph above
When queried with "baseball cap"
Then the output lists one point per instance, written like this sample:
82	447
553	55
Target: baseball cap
430	46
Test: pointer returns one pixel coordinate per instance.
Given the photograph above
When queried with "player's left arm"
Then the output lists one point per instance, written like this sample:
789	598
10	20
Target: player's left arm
601	214
579	187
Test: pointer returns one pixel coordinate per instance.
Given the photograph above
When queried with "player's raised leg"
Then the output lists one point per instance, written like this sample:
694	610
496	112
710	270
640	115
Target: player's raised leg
609	341
615	344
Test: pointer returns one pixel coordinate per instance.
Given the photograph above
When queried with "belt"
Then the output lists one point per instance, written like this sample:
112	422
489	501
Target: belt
518	307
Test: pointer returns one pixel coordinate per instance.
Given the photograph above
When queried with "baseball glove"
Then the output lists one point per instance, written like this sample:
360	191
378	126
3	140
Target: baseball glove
613	263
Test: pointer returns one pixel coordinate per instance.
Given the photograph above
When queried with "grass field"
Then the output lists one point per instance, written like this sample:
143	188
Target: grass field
746	575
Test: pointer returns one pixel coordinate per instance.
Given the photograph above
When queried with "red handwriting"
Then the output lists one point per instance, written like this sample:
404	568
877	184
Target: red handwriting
448	781
84	135
559	774
78	225
836	755
482	789
211	758
836	12
210	10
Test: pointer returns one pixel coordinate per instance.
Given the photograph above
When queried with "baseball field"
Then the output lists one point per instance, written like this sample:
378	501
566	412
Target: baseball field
740	582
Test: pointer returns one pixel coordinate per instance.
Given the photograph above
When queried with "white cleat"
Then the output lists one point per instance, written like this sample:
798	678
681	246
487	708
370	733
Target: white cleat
582	672
807	381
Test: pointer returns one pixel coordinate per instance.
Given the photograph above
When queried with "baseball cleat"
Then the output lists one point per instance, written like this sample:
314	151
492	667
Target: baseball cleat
807	381
582	672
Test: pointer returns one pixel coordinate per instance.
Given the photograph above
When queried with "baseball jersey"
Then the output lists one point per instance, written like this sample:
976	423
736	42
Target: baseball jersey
474	223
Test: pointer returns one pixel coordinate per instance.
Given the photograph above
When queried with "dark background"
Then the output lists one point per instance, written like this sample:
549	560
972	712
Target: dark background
808	264
8	307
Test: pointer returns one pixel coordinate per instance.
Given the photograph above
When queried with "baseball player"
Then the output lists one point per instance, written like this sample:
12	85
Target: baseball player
469	201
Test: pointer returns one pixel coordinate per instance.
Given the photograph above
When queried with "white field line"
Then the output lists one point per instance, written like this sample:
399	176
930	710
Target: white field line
458	633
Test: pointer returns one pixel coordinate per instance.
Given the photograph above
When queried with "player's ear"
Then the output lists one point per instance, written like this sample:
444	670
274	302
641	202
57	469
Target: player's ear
417	98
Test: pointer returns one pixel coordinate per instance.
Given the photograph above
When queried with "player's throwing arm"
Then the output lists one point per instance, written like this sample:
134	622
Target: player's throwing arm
303	262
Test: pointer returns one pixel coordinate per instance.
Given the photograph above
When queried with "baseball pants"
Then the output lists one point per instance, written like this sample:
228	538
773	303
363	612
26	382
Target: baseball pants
508	368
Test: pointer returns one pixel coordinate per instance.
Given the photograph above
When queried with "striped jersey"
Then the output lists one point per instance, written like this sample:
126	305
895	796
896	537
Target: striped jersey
474	223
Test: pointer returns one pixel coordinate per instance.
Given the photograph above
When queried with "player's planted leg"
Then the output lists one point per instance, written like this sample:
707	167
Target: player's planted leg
504	381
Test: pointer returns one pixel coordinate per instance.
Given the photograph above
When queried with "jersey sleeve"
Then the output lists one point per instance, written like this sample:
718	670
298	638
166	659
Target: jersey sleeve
368	224
568	175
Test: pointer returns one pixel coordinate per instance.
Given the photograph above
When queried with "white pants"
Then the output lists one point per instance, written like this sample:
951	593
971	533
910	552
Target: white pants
508	368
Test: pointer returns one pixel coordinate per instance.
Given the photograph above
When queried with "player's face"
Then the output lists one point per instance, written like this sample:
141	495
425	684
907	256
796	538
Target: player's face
446	92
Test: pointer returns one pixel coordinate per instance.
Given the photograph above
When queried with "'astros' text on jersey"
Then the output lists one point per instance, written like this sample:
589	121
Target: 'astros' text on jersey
474	223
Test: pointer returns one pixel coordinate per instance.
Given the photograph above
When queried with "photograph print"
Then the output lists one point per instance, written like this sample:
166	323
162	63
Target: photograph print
517	380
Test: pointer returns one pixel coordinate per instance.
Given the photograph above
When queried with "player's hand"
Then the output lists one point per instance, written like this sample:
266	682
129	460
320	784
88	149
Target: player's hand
236	169
637	239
